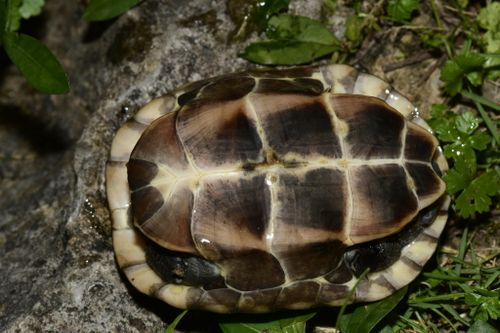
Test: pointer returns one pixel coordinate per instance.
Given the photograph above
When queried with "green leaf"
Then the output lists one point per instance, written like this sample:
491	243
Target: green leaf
299	28
100	10
455	181
278	52
171	328
293	40
464	168
479	141
463	3
354	28
401	10
487	307
3	18
13	17
456	69
31	8
470	62
488	17
492	59
475	78
466	122
38	65
481	326
452	75
479	102
266	9
460	151
330	4
438	111
268	327
476	197
364	318
296	324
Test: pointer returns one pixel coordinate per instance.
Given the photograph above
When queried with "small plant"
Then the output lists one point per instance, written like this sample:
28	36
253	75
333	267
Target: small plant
33	59
463	293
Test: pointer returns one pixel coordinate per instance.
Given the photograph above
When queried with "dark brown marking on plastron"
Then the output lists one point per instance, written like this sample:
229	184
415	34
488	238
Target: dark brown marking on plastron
312	260
160	144
426	180
382	200
292	72
225	88
219	134
252	269
140	173
191	90
145	203
226	297
339	275
315	86
170	225
300	292
316	200
331	293
374	128
243	132
258	298
298	86
419	144
304	129
232	203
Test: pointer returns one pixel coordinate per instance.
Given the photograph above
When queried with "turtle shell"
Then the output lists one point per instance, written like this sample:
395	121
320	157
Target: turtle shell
265	190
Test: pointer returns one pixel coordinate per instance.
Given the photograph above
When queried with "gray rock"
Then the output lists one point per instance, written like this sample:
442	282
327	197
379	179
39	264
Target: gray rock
58	272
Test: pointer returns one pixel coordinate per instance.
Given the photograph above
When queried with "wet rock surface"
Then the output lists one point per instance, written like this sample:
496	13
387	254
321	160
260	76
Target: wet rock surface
57	268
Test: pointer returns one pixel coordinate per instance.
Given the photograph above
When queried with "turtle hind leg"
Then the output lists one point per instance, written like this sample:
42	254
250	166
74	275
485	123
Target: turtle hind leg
182	268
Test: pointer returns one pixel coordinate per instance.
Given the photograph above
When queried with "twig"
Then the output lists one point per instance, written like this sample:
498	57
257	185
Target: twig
450	8
414	59
431	70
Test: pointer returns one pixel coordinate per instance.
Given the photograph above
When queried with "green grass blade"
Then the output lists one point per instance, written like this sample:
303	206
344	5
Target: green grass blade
170	328
448	308
440	314
478	100
444	277
348	298
446	297
492	278
461	251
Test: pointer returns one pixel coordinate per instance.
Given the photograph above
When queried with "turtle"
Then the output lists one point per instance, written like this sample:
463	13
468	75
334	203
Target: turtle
275	189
